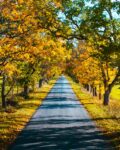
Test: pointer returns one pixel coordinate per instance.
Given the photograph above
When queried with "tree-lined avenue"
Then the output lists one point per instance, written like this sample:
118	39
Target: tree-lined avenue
61	123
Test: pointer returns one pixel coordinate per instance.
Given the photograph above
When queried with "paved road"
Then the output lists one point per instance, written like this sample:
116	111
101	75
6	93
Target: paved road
61	123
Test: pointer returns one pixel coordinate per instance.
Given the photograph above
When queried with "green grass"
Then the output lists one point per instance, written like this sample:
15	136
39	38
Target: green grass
107	118
15	119
115	94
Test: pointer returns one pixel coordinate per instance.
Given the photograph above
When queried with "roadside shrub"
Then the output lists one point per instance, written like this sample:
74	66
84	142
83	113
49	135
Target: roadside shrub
12	102
10	109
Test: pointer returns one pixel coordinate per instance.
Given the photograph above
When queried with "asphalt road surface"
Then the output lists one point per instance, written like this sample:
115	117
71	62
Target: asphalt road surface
61	123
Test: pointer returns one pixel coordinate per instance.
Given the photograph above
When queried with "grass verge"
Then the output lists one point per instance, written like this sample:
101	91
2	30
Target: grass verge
13	121
107	118
115	94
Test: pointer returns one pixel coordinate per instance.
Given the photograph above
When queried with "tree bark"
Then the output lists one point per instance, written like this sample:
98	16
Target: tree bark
91	89
3	92
87	86
95	91
26	91
106	97
109	88
40	82
100	95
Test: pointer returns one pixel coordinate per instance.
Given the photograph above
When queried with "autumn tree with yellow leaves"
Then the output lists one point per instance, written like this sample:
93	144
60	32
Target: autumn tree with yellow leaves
26	46
33	36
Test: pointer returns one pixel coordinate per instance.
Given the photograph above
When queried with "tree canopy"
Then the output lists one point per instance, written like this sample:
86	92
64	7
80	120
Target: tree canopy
41	39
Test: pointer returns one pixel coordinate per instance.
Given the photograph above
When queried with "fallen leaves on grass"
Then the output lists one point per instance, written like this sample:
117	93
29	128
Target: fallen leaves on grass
15	119
106	117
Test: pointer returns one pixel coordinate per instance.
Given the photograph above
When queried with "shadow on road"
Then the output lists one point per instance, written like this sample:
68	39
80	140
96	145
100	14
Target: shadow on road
61	123
63	138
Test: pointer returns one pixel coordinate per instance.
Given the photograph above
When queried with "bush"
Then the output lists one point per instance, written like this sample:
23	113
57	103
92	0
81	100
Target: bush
12	102
10	109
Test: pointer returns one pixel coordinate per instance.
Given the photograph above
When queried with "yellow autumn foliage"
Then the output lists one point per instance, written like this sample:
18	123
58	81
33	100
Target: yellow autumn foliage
10	69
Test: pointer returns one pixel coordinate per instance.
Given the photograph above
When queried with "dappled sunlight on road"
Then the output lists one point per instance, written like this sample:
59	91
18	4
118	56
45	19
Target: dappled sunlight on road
61	123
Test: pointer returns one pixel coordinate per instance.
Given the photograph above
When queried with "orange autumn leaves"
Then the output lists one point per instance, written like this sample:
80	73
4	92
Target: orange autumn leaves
22	40
87	69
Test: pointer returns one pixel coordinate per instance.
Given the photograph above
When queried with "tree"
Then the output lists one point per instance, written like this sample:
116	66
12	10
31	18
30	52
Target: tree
85	68
97	23
104	35
17	22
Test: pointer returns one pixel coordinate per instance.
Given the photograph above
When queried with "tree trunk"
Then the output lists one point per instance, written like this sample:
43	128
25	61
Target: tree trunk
3	92
100	95
87	86
108	87
95	91
91	89
33	86
26	91
106	97
40	82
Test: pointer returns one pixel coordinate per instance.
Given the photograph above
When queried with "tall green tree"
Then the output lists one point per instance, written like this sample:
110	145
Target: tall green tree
98	23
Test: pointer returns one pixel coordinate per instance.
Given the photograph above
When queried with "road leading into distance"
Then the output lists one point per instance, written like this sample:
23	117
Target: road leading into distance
61	123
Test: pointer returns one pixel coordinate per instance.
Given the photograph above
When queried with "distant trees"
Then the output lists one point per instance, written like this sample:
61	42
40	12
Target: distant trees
85	68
